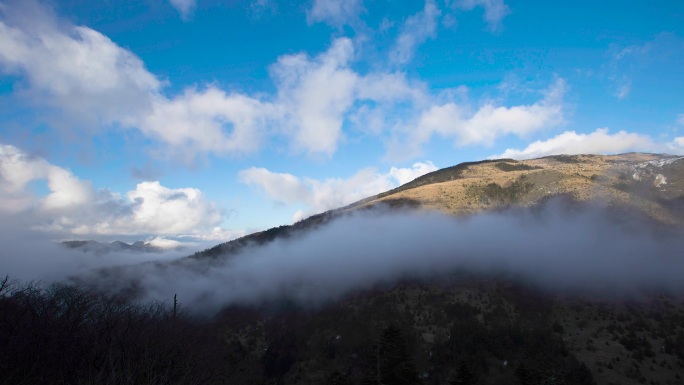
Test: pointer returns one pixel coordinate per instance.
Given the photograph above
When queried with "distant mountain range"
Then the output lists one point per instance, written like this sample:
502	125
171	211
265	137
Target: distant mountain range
116	246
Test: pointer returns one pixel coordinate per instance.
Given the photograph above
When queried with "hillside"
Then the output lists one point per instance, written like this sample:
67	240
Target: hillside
649	184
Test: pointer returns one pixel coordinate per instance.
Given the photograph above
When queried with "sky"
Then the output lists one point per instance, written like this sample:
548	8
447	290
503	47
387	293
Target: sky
200	121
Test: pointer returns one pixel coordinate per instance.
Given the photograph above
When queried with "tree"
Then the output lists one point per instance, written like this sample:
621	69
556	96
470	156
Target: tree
394	364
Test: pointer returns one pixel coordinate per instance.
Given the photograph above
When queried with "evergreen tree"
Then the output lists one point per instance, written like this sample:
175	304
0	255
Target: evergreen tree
394	364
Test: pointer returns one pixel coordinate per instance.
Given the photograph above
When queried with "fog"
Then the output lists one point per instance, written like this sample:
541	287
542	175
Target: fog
31	256
585	250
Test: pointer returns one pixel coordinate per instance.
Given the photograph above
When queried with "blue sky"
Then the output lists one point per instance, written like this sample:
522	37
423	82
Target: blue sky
203	120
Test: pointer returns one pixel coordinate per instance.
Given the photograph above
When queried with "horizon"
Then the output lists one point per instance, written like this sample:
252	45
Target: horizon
199	122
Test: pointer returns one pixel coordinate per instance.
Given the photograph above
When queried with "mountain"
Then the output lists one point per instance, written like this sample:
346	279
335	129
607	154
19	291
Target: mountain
438	326
651	185
115	246
470	329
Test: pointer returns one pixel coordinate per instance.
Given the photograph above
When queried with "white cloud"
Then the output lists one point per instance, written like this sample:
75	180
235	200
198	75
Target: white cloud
160	210
97	83
623	90
678	144
487	123
74	207
86	78
318	195
416	30
597	142
314	95
334	12
184	7
93	82
405	175
390	87
77	69
217	234
494	10
322	195
164	243
284	187
198	121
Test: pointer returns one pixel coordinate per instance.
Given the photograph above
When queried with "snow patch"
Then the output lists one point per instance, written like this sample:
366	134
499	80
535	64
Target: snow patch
660	180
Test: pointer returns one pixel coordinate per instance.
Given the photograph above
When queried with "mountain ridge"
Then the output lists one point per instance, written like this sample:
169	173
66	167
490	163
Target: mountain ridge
625	180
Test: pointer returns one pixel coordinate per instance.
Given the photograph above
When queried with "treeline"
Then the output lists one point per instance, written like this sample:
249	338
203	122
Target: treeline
410	334
71	335
64	334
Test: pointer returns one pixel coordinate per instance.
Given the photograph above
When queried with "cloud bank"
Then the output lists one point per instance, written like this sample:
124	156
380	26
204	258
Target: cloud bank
586	251
31	256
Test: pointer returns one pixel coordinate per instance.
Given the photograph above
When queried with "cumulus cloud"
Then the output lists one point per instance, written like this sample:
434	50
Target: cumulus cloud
322	195
600	141
494	11
486	123
73	207
318	195
93	82
198	121
85	78
82	73
17	170
415	30
184	7
73	67
405	175
314	94
334	12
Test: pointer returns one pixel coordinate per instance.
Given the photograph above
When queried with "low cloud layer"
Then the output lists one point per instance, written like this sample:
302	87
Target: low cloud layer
588	250
31	256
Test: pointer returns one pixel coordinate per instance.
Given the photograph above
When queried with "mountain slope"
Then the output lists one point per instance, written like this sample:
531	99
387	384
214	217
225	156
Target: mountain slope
649	184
